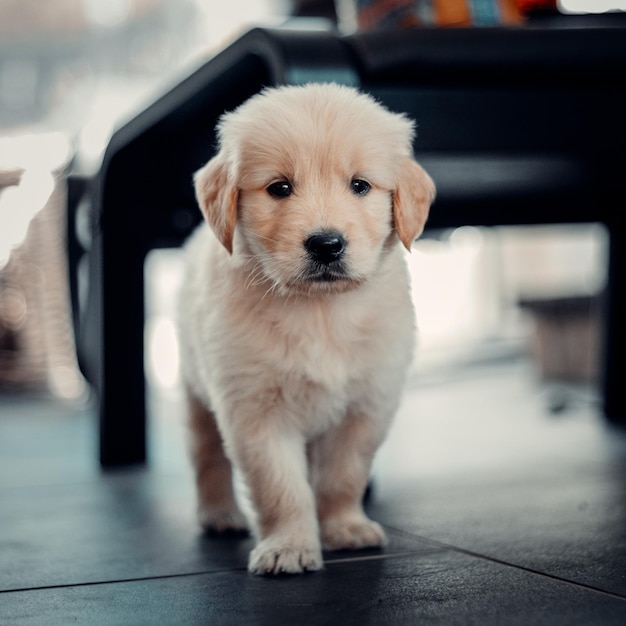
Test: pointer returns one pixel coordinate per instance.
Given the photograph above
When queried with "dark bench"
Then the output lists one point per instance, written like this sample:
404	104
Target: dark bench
516	126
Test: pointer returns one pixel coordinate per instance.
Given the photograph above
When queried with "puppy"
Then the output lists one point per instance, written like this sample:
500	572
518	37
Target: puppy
296	323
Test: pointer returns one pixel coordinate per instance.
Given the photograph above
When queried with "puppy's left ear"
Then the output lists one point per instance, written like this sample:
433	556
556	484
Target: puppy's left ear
218	196
411	201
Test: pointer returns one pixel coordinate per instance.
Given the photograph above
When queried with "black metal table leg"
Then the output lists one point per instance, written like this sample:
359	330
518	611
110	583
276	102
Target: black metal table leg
615	328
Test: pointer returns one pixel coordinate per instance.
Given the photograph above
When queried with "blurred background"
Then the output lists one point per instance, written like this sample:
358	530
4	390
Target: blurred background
73	70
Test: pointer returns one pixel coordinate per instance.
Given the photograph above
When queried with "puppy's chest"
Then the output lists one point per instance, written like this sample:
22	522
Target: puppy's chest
327	346
310	363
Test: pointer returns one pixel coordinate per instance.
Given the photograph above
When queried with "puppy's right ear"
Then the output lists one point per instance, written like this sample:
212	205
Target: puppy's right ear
217	196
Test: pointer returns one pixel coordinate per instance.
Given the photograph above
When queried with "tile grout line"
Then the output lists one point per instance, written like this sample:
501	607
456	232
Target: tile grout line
385	556
117	581
335	561
478	555
530	570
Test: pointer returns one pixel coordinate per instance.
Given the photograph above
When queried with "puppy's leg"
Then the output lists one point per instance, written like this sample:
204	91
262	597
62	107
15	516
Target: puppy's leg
273	462
217	509
341	461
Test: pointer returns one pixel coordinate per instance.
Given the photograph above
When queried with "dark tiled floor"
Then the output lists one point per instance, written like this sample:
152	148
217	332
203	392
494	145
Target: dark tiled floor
498	512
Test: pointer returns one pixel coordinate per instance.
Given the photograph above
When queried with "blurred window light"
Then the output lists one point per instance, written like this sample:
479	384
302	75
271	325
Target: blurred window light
105	113
39	156
163	276
233	17
107	13
553	260
48	151
162	359
468	284
449	301
18	205
591	6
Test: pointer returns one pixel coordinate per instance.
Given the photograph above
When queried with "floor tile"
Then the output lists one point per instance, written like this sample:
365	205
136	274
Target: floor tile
44	441
126	525
490	470
439	588
571	529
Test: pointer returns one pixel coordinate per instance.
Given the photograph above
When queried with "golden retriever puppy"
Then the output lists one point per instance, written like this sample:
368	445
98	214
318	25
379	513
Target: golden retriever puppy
296	323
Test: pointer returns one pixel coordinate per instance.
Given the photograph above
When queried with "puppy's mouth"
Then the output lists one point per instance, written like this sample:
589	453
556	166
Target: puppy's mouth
321	279
320	273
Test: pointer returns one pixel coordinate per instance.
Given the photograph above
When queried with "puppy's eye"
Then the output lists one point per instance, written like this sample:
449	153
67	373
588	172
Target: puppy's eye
281	189
360	187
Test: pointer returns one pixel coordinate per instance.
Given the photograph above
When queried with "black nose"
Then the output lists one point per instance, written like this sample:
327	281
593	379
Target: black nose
325	247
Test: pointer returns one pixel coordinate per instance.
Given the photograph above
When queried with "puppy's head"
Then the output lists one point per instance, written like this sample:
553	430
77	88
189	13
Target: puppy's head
313	185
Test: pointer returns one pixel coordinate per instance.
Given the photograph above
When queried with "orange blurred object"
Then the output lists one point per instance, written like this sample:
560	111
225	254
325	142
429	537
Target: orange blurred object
377	14
527	7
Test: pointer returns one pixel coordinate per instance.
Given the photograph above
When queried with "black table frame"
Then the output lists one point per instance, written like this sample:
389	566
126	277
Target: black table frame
516	126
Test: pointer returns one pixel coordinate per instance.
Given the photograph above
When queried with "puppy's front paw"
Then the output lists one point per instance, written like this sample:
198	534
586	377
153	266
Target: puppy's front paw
352	533
273	556
222	521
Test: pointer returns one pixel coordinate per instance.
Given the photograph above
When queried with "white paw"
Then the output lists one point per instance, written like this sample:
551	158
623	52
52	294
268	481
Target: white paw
219	521
273	556
352	533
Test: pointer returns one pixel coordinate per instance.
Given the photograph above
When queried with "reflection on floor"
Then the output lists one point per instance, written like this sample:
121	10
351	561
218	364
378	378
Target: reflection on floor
498	511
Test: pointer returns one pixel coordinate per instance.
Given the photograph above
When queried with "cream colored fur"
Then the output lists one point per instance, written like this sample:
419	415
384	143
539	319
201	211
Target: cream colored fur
293	381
